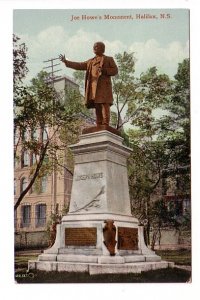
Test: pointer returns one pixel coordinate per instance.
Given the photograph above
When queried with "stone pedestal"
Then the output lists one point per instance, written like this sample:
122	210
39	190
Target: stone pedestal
99	234
100	183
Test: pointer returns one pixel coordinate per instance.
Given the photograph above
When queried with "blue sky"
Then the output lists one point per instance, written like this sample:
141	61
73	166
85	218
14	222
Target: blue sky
34	21
160	42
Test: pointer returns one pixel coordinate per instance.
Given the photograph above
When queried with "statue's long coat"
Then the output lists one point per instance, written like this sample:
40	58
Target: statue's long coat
98	89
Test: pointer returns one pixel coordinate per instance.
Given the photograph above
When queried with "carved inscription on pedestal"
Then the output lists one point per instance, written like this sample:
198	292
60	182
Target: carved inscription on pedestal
127	238
83	236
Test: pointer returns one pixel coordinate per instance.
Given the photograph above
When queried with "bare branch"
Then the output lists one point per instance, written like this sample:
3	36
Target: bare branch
42	156
63	166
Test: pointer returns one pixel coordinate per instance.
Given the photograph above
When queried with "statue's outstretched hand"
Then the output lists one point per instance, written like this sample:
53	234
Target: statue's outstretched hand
62	58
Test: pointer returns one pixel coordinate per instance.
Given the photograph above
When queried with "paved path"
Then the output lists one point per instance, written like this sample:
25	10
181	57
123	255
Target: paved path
187	268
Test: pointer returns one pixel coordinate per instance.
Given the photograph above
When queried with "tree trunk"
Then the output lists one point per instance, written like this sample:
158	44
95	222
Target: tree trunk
22	195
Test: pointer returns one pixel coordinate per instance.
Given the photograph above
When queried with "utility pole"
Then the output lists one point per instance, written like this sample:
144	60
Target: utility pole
51	74
50	79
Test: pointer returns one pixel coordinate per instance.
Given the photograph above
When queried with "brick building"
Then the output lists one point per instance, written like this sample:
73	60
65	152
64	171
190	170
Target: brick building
50	195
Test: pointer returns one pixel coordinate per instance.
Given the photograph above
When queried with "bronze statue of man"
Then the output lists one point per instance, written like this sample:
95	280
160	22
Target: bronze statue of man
98	85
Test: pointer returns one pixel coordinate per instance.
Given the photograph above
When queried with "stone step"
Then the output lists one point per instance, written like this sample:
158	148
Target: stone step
97	268
129	252
47	257
77	251
67	257
134	258
77	258
126	268
111	260
100	259
152	258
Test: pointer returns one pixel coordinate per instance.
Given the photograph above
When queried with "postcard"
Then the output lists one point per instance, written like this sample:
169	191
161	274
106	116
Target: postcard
102	157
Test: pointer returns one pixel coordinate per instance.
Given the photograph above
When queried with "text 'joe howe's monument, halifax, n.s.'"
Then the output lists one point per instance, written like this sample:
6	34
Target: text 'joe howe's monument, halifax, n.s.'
99	234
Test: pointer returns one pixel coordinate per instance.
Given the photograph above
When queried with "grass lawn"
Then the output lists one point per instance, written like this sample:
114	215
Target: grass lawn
21	261
157	276
181	257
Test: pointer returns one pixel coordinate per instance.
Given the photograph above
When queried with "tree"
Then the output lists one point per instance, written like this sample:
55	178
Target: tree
124	87
19	61
136	98
176	131
20	71
40	107
79	78
161	217
148	159
159	144
175	127
145	176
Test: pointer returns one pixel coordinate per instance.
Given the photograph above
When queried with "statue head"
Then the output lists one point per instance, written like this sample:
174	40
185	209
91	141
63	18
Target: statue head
99	48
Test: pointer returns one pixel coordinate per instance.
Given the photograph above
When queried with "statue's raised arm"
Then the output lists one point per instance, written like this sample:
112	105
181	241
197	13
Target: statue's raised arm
62	58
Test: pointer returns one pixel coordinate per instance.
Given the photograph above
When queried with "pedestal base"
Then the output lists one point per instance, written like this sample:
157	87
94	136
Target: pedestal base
71	255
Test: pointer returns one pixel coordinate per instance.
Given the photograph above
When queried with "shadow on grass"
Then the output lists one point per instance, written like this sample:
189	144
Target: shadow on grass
170	275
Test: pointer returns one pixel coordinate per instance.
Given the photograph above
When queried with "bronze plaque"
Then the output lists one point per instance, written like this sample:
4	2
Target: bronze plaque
83	236
127	238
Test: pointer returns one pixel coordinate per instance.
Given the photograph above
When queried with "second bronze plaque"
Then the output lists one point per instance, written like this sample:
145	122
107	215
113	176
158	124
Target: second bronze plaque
127	238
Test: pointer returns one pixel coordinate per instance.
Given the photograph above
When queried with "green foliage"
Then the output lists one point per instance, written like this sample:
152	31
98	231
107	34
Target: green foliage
74	103
79	78
153	91
126	66
123	85
39	107
137	98
160	143
161	216
176	126
145	173
155	87
19	61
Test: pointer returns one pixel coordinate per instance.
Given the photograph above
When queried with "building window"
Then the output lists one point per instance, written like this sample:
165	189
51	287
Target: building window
34	188
26	215
178	207
40	215
16	137
46	159
15	162
24	135
33	159
39	186
15	218
44	134
43	184
35	135
186	206
24	183
15	186
25	159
